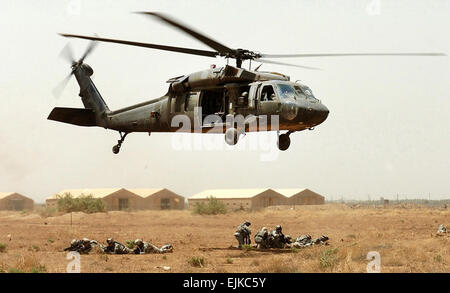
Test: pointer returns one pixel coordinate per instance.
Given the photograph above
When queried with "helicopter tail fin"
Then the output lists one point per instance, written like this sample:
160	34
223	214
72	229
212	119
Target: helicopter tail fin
90	96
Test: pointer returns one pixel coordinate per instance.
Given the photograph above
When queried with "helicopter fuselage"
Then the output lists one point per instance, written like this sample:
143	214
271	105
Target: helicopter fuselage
273	101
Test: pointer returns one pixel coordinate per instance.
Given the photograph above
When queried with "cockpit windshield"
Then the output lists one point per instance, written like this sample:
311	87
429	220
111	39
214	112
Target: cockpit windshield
304	90
288	91
285	91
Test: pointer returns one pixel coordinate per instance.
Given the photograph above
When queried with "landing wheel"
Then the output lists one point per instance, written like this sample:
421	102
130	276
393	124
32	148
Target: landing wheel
116	149
231	136
284	142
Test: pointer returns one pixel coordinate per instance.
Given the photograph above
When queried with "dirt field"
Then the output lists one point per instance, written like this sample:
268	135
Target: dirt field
404	236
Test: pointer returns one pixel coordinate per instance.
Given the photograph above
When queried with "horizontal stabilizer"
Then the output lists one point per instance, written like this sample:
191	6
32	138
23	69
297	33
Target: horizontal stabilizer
80	117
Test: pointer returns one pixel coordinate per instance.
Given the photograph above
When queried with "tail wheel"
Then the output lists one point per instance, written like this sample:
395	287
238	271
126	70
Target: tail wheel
284	142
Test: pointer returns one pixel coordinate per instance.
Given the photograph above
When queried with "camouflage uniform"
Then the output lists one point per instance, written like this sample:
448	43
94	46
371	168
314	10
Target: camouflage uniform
262	239
306	240
83	246
242	234
146	247
114	247
277	238
441	229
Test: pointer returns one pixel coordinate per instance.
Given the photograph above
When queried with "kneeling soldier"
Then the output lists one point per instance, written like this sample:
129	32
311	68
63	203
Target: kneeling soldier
262	239
242	234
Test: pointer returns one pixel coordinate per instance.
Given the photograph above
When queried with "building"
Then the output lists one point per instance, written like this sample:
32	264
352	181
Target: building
15	201
241	199
159	199
302	196
115	199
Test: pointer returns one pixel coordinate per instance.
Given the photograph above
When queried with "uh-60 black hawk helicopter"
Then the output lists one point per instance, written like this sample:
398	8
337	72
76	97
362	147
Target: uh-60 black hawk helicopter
226	93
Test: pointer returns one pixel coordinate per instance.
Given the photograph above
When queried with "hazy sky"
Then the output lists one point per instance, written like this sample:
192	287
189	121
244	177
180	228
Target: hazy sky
387	132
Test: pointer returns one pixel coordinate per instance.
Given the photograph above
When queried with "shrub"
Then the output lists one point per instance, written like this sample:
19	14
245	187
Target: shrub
212	207
15	271
437	258
38	269
84	203
328	258
2	247
196	261
46	212
130	244
247	247
229	260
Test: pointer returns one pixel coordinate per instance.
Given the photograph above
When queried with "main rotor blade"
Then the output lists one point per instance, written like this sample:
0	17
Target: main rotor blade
147	45
349	54
199	36
287	64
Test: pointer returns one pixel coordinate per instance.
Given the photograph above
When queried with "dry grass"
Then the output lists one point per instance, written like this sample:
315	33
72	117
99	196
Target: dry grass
404	237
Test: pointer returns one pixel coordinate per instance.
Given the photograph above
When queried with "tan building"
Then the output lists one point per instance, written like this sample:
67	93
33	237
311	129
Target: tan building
15	201
302	196
159	199
114	198
245	199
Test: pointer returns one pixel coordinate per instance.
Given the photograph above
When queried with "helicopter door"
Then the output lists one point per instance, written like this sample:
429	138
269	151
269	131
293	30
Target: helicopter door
268	102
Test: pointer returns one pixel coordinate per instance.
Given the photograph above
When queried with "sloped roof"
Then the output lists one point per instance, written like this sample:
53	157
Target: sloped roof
96	192
289	192
229	193
145	192
5	194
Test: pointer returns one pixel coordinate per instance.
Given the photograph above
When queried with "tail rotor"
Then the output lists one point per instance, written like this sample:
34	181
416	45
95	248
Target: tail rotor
67	54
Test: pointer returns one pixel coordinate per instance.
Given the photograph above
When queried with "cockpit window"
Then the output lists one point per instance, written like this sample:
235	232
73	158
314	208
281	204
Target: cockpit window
304	90
285	91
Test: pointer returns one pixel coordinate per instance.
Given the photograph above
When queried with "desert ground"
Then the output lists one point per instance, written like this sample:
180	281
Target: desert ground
404	236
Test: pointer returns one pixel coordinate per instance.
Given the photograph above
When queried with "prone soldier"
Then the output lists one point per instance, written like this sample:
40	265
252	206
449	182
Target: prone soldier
83	246
115	247
143	247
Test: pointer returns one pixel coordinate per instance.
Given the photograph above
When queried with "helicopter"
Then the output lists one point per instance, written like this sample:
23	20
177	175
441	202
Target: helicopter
230	100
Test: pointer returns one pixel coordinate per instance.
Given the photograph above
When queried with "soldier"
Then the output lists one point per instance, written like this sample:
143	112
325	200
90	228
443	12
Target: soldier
321	240
441	229
262	239
114	247
306	240
83	246
146	247
277	238
242	234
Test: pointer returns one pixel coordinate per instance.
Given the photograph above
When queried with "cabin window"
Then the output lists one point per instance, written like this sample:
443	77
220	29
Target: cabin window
267	93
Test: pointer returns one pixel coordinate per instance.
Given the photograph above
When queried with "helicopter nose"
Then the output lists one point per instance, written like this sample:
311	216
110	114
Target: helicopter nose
320	114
